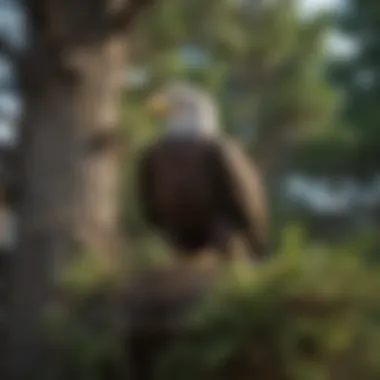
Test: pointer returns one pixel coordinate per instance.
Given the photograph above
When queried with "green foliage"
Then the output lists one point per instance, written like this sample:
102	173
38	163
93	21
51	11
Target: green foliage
312	312
86	347
78	321
358	77
260	54
336	156
86	274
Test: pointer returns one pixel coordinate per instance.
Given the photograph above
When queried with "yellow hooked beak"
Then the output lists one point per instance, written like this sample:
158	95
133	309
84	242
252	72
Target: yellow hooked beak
159	105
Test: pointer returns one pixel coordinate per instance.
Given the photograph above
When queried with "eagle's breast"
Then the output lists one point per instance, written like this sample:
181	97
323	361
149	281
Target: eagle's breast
182	185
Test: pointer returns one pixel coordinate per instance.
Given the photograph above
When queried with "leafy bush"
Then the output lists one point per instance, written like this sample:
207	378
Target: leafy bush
306	314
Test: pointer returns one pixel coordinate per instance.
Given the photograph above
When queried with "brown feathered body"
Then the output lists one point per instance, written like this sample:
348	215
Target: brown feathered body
200	192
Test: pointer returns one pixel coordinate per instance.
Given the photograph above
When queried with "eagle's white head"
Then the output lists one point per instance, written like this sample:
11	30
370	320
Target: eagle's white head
189	111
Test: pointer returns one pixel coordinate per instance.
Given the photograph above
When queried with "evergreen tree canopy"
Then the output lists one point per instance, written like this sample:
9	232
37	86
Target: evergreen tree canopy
359	80
263	63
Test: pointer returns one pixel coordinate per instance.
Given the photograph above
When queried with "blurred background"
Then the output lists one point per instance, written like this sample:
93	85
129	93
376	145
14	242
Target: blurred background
298	84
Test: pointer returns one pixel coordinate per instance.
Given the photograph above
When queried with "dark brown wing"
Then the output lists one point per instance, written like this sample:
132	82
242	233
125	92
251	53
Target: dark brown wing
174	185
243	192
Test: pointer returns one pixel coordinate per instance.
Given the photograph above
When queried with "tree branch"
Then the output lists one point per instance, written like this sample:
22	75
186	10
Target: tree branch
121	20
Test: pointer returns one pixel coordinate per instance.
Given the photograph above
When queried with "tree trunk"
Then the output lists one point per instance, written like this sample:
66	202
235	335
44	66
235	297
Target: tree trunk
70	190
71	75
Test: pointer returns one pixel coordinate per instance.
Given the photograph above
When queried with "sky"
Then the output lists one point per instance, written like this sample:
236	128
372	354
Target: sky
337	44
310	6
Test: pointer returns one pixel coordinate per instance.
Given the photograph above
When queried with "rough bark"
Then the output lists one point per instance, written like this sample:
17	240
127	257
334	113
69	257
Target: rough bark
70	198
71	76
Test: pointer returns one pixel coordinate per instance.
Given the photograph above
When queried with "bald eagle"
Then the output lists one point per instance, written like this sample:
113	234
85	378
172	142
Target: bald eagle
196	187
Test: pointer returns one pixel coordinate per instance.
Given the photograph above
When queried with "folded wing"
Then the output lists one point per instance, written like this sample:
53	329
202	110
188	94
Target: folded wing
243	191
